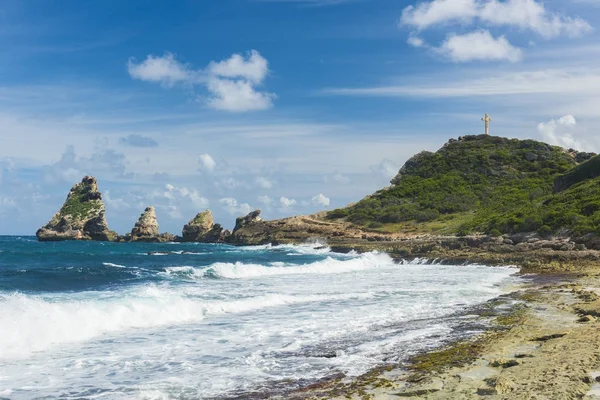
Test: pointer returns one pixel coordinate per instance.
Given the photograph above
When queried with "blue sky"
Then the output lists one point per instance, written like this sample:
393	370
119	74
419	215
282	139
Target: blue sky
290	106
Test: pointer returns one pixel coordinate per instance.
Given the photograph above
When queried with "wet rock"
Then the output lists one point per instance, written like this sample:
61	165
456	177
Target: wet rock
82	216
503	363
586	318
549	337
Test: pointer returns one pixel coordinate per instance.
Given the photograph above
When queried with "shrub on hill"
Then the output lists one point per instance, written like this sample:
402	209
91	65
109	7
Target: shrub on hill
502	185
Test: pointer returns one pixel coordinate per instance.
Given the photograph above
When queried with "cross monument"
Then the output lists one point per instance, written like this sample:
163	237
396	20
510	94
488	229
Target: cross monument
487	121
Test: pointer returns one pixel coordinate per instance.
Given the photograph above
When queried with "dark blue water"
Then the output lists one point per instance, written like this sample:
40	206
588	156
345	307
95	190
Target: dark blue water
30	266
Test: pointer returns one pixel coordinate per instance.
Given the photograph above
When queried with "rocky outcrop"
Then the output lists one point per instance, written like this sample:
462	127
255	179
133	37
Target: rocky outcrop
146	228
252	230
82	216
202	228
252	217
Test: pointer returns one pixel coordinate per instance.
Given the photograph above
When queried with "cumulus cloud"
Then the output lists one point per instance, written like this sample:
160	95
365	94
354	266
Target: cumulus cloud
287	203
321	200
232	84
523	14
165	70
138	141
233	207
479	45
263	182
561	132
207	162
254	69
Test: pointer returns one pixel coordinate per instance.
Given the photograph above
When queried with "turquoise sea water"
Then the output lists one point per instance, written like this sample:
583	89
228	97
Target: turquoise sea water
188	321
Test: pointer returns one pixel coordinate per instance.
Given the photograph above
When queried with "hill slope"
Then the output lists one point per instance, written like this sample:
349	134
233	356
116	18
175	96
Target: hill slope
484	184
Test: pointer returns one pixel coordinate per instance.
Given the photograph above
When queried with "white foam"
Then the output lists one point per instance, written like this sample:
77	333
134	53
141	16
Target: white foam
329	265
107	264
306	248
63	320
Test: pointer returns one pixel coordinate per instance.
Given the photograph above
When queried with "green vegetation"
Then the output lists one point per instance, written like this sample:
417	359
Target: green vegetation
78	204
486	184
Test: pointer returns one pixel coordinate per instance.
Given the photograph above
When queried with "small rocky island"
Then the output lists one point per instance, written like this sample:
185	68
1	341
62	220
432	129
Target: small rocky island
82	216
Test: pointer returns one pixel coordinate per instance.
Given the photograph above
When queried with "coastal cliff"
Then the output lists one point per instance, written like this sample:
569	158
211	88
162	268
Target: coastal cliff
82	216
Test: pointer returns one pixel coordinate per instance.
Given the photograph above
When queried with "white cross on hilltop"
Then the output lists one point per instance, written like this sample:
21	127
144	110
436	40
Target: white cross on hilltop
487	121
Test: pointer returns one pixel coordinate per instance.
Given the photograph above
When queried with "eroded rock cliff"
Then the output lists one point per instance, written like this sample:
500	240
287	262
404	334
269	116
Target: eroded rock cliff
82	216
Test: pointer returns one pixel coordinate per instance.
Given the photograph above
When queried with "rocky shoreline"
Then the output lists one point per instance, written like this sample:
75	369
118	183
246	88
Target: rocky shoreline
82	217
546	346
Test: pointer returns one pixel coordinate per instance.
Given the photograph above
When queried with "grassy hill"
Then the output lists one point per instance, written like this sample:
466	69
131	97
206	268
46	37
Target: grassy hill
486	184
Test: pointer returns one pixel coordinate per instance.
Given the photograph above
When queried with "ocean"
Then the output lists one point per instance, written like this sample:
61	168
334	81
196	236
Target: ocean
90	320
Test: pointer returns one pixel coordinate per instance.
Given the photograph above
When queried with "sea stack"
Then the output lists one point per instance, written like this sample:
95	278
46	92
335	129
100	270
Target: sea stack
146	228
202	228
82	216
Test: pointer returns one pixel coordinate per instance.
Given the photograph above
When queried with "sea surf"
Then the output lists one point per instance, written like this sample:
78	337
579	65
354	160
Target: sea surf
112	320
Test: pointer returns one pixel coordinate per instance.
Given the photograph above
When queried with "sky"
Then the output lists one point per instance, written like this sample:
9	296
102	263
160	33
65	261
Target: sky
288	106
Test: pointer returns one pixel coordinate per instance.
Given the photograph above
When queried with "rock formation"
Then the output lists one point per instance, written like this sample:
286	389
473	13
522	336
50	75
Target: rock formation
146	228
82	216
202	228
252	217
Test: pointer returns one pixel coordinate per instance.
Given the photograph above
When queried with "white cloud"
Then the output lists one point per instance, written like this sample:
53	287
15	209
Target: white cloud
263	182
415	41
207	162
165	70
237	95
560	132
253	69
561	82
427	14
479	45
321	200
524	14
6	201
231	84
233	207
287	203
